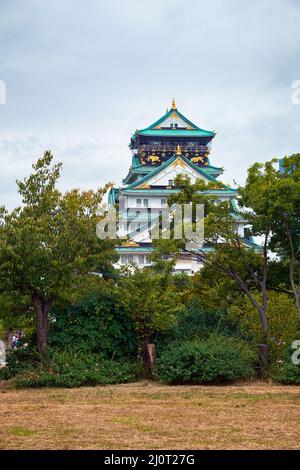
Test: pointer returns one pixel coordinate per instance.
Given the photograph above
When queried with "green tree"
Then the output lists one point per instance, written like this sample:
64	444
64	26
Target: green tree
282	320
228	256
49	242
274	197
152	302
15	314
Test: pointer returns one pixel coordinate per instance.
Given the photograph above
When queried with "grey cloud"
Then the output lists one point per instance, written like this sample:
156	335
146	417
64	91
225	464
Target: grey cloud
81	76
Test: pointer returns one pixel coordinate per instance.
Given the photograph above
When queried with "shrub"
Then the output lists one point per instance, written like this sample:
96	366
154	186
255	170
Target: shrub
219	359
69	369
196	322
97	323
24	358
5	374
288	373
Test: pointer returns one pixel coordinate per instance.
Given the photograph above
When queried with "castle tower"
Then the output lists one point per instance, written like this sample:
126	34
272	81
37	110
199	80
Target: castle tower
170	146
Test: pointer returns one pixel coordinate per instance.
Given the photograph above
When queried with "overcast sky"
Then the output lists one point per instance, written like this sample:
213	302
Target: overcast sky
81	76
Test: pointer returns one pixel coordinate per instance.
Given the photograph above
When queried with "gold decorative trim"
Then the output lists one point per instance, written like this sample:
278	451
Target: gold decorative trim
179	162
130	243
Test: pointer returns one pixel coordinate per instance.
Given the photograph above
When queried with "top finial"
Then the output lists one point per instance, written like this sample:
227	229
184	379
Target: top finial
173	104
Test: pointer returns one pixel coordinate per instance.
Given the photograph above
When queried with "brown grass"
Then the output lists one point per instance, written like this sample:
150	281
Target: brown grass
151	416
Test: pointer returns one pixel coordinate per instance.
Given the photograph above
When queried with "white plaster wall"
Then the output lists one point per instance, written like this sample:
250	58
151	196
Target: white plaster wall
172	120
170	173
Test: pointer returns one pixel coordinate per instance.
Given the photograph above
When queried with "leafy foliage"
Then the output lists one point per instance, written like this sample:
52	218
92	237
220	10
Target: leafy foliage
151	301
288	373
20	360
274	199
50	241
195	322
79	371
282	318
218	359
66	368
97	323
230	256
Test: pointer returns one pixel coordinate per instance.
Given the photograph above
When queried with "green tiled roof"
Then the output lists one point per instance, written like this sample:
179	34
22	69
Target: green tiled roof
139	169
175	133
147	249
166	192
112	196
200	170
195	132
136	249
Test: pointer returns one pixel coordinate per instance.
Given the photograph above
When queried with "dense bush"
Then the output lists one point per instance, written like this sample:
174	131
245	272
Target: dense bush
195	322
5	374
218	359
288	373
69	369
22	359
97	323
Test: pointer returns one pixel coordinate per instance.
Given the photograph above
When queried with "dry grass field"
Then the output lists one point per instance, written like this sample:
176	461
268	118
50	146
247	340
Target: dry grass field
151	416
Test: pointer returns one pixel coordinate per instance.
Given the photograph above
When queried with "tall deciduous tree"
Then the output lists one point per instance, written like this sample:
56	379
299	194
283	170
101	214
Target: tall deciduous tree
274	195
229	255
50	241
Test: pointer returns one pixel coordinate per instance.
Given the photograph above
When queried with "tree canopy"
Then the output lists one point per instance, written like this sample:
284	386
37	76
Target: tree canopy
50	241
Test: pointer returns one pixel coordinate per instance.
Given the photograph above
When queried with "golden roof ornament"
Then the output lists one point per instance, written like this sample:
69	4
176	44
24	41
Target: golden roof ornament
178	150
197	159
130	243
153	158
173	104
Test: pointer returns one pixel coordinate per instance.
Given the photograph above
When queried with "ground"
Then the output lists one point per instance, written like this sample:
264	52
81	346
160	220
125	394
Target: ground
147	415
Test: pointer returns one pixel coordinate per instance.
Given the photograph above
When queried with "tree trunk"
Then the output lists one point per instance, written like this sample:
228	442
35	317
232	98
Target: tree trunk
263	350
150	357
261	309
295	287
9	337
143	351
41	309
296	291
264	323
297	296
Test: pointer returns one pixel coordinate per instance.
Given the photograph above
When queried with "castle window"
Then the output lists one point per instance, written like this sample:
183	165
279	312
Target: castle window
163	202
146	202
138	202
171	182
141	259
176	125
171	124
